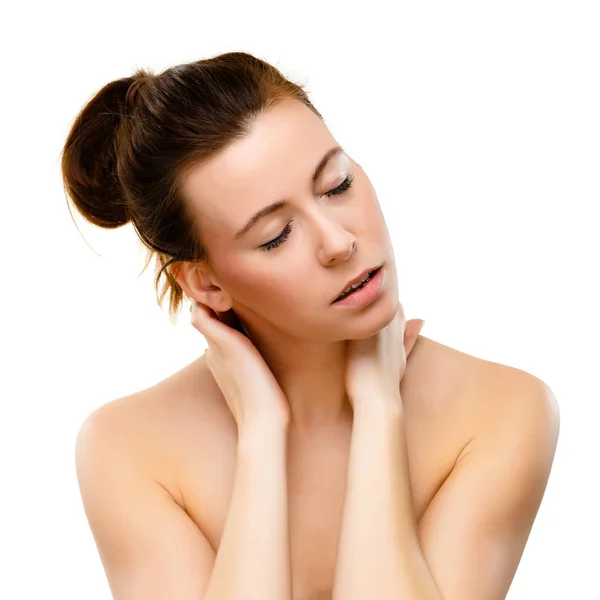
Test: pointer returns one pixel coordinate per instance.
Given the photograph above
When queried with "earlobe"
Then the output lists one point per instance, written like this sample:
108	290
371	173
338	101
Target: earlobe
218	301
213	297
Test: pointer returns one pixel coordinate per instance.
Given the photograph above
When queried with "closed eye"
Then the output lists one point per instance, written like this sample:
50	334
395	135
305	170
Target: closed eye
282	237
345	185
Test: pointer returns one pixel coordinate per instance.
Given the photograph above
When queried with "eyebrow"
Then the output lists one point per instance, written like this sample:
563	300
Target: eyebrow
267	210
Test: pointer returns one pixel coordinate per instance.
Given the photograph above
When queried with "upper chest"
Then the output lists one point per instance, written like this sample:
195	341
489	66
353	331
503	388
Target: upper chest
198	459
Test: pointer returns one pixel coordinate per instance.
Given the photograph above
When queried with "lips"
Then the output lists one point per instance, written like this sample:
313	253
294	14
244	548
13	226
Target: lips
358	279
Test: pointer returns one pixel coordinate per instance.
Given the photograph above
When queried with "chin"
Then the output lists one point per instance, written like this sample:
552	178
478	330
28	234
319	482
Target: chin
382	313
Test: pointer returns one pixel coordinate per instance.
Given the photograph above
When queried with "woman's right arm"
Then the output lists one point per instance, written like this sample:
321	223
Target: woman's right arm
254	554
149	546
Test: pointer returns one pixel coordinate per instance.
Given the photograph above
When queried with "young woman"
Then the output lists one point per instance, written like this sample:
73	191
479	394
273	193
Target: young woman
321	448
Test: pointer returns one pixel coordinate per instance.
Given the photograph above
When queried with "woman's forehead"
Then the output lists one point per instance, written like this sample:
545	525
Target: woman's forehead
280	153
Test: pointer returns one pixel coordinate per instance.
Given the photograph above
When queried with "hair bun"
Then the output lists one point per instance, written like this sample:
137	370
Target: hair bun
89	158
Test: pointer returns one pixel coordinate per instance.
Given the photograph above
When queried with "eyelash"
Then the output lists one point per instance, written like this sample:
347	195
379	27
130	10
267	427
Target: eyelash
343	187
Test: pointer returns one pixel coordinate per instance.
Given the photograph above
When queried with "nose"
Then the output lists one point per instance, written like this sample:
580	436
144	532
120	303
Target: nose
337	244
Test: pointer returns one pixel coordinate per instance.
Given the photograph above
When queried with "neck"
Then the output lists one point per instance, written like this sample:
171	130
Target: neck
312	377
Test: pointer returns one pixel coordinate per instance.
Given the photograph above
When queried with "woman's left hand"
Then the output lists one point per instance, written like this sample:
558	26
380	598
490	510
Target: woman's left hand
375	365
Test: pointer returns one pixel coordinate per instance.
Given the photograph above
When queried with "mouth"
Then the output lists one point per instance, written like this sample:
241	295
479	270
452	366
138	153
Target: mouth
360	282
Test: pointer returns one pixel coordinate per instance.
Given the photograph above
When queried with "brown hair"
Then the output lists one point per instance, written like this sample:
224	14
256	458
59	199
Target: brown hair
128	148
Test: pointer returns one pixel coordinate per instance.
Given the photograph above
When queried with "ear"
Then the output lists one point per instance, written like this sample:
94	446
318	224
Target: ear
411	334
198	283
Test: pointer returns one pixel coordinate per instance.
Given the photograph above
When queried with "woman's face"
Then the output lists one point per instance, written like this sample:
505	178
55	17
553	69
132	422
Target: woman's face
283	271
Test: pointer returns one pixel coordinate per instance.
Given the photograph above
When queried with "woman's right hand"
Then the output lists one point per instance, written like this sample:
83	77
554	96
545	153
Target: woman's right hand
248	385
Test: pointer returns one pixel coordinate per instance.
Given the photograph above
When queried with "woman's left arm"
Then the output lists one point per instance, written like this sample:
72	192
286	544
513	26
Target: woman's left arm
470	539
379	555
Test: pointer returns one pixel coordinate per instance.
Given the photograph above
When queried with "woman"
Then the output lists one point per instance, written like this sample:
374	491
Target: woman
320	448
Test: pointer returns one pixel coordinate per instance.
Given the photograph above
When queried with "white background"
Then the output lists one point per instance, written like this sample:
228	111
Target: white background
479	125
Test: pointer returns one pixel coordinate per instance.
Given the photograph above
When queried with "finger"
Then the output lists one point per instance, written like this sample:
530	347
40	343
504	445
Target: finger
411	334
204	319
415	327
216	327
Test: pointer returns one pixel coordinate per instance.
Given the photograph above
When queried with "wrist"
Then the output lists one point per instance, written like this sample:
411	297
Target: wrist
378	401
265	433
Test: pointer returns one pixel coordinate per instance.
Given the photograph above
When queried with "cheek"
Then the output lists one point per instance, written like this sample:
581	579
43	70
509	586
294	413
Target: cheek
370	209
276	295
257	288
373	202
375	215
273	289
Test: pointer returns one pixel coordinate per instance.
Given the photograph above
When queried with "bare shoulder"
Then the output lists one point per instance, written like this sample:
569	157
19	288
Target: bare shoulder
158	425
146	539
478	519
480	392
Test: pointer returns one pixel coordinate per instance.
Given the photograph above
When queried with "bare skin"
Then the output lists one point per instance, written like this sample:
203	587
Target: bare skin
183	432
157	467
